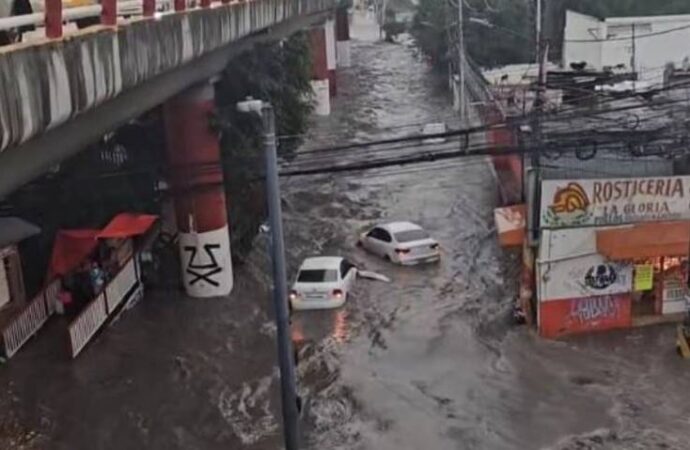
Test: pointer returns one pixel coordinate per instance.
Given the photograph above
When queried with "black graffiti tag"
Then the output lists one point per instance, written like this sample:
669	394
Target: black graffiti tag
203	271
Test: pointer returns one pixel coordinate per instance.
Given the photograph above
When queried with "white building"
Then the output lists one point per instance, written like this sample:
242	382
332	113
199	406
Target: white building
648	43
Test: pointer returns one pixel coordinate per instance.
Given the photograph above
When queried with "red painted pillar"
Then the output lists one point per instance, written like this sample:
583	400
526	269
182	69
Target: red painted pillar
53	18
205	3
180	5
149	8
197	182
342	35
109	12
319	71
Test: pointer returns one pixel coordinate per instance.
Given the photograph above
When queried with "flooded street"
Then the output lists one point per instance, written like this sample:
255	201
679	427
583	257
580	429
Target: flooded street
429	361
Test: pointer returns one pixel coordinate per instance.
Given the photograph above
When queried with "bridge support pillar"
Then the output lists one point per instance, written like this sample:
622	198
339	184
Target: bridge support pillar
199	195
342	32
52	11
319	71
331	56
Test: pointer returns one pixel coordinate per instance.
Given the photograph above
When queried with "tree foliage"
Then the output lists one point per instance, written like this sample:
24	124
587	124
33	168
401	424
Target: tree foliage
429	29
281	74
511	40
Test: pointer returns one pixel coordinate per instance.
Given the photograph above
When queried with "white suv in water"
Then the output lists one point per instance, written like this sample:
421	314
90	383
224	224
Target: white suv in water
401	242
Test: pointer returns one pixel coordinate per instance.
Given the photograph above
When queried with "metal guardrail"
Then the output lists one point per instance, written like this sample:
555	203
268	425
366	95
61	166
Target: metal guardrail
85	326
30	319
91	319
51	295
124	8
121	285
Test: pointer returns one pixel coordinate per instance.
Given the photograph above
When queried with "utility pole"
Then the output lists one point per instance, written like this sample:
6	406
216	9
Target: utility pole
285	352
382	17
633	61
461	63
535	197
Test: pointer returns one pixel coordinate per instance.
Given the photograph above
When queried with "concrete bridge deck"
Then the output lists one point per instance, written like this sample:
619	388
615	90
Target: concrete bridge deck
59	95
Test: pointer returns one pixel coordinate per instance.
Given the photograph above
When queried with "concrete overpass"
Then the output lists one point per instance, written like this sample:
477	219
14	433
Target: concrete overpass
59	95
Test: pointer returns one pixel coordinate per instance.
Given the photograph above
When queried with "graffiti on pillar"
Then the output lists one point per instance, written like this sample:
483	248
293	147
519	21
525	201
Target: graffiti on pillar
200	270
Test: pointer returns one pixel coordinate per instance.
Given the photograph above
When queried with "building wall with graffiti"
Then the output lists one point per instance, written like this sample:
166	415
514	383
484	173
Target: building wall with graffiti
579	315
601	263
578	290
570	267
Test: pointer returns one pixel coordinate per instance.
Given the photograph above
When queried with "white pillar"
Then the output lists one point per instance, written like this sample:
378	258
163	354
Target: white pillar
206	263
322	98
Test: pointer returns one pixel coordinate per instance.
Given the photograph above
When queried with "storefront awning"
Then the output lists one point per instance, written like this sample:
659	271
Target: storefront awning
126	225
510	225
645	240
70	250
14	230
73	247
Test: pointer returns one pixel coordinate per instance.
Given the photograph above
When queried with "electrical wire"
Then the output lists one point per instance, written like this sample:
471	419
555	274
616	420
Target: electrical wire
636	37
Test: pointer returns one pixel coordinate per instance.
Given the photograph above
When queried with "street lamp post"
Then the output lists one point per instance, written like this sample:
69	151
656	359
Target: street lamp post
285	353
461	64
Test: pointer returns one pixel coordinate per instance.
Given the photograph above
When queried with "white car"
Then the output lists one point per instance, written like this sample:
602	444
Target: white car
322	282
402	243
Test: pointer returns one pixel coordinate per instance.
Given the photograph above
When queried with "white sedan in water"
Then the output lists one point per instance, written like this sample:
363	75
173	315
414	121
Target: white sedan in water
322	282
402	243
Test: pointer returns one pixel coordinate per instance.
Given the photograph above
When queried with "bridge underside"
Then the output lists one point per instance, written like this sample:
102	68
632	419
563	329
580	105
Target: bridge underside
32	157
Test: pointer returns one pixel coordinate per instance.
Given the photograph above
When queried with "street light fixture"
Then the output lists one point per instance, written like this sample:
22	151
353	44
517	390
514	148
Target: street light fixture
285	353
482	22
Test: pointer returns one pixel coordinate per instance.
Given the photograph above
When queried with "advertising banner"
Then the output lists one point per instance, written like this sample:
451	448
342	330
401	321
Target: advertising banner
614	201
644	277
580	315
585	276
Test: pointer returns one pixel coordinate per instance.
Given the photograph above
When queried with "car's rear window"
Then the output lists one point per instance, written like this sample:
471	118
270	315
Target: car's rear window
411	235
317	276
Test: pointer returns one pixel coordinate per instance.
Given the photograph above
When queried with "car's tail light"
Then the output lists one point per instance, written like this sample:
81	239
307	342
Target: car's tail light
402	251
337	293
293	295
434	246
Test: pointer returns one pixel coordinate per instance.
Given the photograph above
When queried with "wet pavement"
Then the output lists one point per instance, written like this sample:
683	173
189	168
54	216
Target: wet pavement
428	361
431	359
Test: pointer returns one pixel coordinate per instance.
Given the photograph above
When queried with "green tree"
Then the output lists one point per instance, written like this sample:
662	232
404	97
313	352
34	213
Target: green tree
430	28
279	73
511	39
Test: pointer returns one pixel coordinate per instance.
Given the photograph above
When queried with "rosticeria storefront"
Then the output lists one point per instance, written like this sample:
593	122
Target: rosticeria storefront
613	253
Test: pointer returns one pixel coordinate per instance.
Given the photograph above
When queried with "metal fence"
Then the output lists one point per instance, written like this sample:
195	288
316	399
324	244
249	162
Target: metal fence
94	316
85	326
118	289
30	319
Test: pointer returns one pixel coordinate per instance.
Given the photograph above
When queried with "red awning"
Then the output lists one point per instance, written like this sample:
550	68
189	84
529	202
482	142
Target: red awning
70	249
645	240
510	225
126	225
